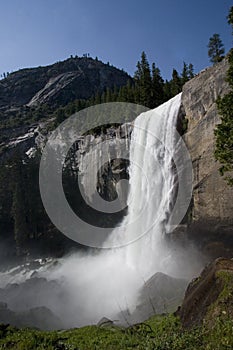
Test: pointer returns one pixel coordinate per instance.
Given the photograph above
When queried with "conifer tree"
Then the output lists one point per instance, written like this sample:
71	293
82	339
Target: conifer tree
167	90
157	87
143	82
215	49
190	71
185	73
176	83
230	17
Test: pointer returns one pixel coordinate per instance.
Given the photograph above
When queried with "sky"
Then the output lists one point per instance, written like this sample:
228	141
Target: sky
41	32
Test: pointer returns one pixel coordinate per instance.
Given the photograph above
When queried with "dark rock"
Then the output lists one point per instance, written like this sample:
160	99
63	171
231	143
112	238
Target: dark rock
204	298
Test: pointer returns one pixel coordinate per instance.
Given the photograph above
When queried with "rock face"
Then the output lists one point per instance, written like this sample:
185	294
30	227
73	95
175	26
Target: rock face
211	211
209	296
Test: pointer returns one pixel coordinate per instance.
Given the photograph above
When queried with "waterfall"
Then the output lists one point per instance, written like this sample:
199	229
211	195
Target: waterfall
109	282
150	199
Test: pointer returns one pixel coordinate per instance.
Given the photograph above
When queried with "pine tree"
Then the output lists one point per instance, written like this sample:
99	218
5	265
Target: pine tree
108	95
185	73
230	17
143	82
167	90
215	49
176	83
97	98
157	87
190	71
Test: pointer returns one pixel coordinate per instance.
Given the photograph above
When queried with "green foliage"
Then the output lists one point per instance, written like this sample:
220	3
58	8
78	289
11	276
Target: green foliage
190	71
158	333
215	49
224	136
143	82
176	83
185	73
157	87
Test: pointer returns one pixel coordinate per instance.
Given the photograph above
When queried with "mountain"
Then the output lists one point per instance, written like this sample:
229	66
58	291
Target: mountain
59	83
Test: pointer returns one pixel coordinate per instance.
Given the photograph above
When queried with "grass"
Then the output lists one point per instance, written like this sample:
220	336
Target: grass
158	333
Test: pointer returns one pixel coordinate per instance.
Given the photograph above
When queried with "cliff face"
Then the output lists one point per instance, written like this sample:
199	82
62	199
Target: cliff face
212	208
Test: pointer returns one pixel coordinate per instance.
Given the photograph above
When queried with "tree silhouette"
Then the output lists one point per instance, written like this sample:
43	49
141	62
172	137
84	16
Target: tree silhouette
215	49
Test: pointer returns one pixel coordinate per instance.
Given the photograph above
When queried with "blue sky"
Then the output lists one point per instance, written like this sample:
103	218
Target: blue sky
41	32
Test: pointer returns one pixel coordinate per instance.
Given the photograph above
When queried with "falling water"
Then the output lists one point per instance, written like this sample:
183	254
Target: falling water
150	199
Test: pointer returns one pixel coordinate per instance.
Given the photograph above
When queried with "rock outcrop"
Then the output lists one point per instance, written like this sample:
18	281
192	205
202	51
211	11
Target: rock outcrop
211	212
209	296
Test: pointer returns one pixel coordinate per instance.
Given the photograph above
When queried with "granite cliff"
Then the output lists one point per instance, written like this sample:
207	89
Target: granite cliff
210	218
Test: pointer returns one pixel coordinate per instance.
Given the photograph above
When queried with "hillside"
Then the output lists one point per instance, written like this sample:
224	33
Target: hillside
59	83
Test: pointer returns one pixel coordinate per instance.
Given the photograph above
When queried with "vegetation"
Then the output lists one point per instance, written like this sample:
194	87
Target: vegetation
224	131
215	49
158	333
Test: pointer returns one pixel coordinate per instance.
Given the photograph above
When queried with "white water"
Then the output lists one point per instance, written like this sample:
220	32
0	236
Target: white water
93	286
150	197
